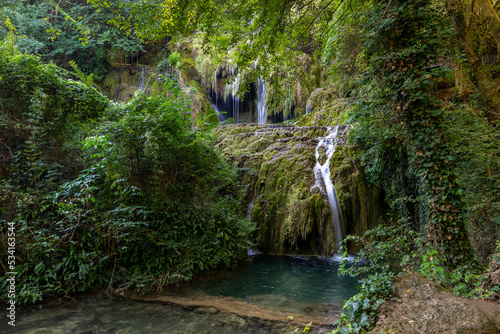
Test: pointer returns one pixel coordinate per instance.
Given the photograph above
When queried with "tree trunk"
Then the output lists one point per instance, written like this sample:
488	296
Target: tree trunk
494	21
460	77
486	88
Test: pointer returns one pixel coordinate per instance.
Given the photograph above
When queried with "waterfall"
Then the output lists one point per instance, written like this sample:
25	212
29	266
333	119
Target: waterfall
324	182
251	250
229	92
288	105
220	116
262	90
308	106
249	210
233	89
215	87
143	76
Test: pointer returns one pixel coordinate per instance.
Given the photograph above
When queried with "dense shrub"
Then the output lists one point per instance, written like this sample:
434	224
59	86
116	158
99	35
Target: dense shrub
107	194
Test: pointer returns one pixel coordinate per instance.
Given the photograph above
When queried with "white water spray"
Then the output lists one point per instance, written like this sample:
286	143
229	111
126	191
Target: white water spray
215	87
324	182
287	110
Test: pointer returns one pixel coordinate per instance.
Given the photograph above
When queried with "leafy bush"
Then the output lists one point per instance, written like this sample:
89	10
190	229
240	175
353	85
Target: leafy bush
475	146
147	202
84	36
43	113
170	63
177	180
360	312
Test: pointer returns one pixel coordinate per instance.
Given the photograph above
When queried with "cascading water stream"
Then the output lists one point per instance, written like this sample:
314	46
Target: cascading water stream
219	113
249	210
308	107
287	110
214	89
232	90
143	79
251	250
262	91
324	182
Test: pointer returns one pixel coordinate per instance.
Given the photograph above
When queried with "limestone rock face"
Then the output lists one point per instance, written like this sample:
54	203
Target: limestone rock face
426	308
122	82
292	215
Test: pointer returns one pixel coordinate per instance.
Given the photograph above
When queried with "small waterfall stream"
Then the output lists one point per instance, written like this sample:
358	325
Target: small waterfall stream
143	79
287	110
220	115
232	90
308	106
324	182
262	91
249	210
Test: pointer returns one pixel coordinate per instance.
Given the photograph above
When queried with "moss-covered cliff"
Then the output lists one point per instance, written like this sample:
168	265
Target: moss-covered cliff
123	82
291	213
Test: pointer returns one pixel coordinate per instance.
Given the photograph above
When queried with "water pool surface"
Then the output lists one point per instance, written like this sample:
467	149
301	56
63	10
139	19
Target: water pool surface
305	284
252	298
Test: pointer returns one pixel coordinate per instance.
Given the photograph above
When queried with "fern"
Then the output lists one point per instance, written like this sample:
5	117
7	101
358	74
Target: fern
88	80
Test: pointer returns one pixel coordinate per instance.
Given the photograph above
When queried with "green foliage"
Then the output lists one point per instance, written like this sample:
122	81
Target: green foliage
276	34
392	250
147	202
188	226
173	59
292	329
401	126
384	249
475	144
489	287
389	251
405	133
169	64
359	314
88	80
74	31
343	52
42	113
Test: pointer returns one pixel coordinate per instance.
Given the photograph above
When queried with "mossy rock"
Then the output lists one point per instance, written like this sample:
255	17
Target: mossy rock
122	82
291	214
329	112
359	203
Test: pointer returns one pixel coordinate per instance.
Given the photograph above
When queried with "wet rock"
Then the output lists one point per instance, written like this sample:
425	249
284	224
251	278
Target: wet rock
322	155
291	211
